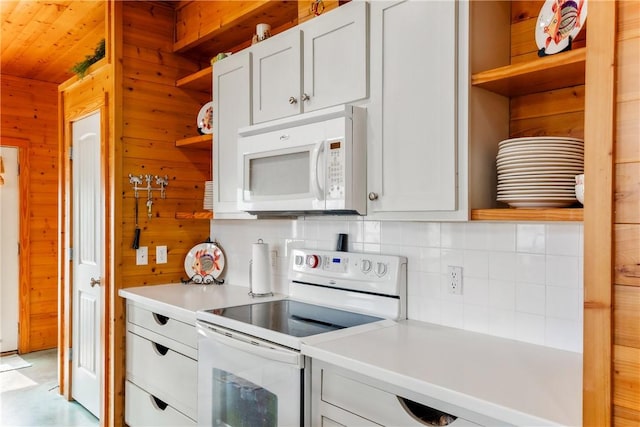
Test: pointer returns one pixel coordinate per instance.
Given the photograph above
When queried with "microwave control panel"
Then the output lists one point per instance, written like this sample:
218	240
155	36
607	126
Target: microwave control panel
335	186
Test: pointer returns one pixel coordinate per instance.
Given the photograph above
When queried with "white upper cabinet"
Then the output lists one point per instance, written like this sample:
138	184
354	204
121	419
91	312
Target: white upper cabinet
231	110
417	119
276	76
335	57
318	64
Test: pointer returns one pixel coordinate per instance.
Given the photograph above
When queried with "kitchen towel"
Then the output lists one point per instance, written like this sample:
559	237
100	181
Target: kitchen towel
260	269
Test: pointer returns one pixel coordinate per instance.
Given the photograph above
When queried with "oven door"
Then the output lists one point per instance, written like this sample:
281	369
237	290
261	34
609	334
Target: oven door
243	381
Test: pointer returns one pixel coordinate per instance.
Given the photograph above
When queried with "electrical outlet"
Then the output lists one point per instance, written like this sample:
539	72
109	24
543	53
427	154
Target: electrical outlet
274	258
454	280
142	255
161	254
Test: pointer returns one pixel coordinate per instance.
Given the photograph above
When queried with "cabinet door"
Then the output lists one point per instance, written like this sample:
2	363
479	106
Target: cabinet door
276	66
232	110
335	57
413	138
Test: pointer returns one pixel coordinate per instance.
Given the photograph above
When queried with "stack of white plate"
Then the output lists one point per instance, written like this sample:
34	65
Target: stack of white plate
539	172
208	195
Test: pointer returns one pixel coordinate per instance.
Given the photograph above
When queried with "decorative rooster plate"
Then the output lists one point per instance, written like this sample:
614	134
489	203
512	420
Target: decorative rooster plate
558	24
204	260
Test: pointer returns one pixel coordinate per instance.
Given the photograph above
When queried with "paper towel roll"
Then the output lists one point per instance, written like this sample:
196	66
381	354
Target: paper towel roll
260	269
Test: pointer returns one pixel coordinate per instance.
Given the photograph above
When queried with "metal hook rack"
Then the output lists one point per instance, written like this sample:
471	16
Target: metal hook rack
161	181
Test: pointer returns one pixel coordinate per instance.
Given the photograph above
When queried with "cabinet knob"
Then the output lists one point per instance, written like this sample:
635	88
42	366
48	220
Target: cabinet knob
305	97
293	100
373	196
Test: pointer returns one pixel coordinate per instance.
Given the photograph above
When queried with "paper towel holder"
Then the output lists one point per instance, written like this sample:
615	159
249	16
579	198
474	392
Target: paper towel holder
251	293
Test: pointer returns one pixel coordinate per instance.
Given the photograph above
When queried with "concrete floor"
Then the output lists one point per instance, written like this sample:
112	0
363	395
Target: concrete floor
30	397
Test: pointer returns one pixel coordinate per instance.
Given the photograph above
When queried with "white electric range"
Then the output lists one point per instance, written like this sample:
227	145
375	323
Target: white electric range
250	369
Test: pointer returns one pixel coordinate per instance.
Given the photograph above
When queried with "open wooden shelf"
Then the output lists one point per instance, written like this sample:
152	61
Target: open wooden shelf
200	80
508	214
543	74
239	27
200	141
194	215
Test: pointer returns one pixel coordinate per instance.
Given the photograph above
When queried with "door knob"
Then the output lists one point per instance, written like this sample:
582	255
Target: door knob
293	100
94	282
373	196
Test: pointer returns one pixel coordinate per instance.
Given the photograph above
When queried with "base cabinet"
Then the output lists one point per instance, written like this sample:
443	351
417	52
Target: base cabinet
161	369
144	409
345	398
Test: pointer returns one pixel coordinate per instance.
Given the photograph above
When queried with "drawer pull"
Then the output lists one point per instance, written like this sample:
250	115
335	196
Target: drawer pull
160	319
425	414
158	404
160	348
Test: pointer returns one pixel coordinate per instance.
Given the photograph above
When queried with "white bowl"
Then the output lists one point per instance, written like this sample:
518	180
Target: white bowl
580	193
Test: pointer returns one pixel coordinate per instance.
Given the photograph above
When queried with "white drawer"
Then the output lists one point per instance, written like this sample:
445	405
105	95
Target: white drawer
163	325
370	402
164	373
142	409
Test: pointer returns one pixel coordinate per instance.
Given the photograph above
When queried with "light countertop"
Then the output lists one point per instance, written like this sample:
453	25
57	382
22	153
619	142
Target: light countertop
511	381
182	301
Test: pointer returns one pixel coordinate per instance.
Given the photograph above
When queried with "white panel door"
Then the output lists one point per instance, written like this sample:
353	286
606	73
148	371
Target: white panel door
88	232
336	57
277	77
413	139
9	243
232	110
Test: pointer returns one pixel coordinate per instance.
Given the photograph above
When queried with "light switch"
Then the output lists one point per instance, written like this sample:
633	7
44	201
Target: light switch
161	254
142	255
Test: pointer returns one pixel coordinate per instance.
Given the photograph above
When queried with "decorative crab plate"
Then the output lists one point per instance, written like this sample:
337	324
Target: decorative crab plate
204	260
558	22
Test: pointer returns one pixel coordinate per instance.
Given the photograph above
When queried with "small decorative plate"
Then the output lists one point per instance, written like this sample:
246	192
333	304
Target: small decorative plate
204	259
558	21
205	119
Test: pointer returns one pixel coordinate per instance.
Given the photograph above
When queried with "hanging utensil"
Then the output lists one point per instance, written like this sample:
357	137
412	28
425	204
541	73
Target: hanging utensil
136	233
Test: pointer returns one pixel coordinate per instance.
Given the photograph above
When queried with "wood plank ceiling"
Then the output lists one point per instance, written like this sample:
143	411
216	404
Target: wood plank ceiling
42	40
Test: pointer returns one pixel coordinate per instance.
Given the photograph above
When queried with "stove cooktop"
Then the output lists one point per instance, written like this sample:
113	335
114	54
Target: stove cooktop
294	318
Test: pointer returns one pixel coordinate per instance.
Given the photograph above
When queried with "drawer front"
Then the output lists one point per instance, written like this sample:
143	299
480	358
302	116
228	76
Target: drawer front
163	325
142	409
335	417
164	373
370	402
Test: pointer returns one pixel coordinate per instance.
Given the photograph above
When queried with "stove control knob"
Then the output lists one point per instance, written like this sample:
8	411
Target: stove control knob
365	265
299	260
313	261
381	269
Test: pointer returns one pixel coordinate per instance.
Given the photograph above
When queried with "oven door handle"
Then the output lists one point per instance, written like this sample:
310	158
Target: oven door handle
279	355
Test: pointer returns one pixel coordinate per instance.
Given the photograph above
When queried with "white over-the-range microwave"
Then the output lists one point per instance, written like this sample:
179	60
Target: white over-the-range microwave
312	163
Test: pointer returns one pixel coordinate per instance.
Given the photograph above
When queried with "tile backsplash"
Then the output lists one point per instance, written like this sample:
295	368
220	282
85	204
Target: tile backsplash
520	280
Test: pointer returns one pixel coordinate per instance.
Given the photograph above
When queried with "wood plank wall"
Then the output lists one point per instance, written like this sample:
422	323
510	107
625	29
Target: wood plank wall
626	283
29	111
155	114
557	112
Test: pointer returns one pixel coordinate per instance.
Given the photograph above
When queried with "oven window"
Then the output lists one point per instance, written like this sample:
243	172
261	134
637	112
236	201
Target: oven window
241	403
281	175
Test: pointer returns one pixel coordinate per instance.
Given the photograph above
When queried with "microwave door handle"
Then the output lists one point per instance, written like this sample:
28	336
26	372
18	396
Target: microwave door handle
315	176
